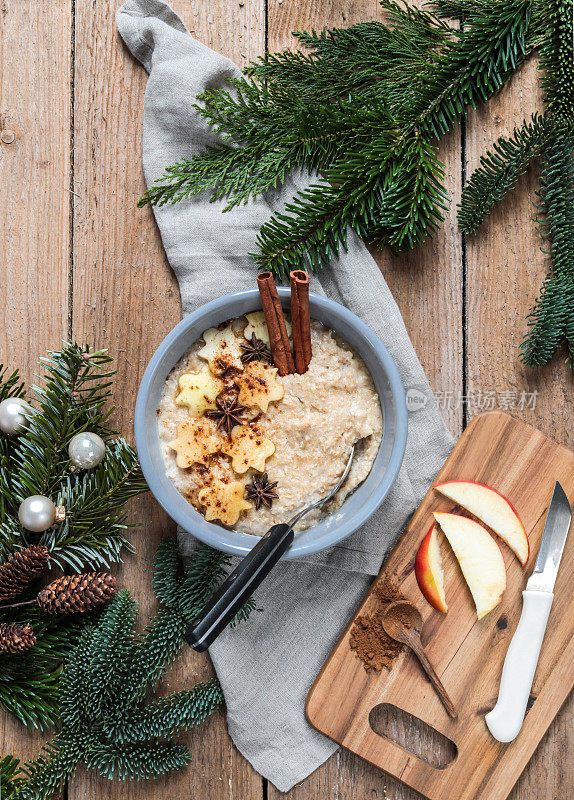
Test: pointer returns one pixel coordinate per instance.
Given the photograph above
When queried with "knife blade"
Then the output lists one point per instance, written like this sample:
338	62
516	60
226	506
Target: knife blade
506	718
552	543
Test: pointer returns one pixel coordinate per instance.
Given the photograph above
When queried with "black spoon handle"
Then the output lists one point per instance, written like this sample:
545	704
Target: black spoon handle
224	604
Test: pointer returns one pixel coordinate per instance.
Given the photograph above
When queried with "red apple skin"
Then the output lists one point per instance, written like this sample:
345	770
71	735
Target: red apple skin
425	577
506	500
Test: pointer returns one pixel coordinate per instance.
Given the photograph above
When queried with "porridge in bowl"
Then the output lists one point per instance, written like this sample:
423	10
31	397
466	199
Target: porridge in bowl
248	446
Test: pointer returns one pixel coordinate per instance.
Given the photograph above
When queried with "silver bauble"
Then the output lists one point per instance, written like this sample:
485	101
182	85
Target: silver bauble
86	450
37	513
13	415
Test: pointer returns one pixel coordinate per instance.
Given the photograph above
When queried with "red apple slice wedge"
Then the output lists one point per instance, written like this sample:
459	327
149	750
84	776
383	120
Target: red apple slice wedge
493	509
479	557
428	571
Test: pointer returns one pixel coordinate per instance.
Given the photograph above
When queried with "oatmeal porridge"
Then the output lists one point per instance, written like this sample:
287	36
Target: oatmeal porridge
248	448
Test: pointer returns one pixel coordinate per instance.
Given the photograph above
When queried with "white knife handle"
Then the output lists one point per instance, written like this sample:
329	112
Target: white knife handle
506	718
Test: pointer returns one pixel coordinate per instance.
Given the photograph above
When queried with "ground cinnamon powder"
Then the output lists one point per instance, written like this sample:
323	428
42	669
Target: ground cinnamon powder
368	639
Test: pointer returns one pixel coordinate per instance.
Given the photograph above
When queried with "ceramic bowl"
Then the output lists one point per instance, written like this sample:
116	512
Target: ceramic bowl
358	507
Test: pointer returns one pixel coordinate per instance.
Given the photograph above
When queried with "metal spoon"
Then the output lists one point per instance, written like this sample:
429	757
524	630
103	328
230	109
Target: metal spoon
224	604
403	623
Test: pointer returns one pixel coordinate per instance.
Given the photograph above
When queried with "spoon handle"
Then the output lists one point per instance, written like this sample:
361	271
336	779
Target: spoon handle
226	601
435	680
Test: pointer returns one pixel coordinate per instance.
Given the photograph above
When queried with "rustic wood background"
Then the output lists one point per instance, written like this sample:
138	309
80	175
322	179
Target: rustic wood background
81	261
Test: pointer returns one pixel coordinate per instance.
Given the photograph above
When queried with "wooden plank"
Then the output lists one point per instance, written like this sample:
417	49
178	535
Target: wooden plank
126	298
34	225
34	179
427	285
505	271
468	654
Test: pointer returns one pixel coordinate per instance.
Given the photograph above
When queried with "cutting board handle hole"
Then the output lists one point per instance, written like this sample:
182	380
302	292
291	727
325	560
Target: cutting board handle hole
412	734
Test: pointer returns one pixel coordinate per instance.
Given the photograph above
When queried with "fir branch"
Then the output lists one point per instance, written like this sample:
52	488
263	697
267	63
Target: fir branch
29	680
499	171
557	62
136	761
414	79
367	58
72	400
105	722
9	775
551	321
311	142
166	716
92	535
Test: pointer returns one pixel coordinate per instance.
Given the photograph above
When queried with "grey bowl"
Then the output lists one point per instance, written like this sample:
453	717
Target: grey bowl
357	508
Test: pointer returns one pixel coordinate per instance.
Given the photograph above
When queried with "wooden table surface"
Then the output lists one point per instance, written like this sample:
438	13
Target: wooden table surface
81	261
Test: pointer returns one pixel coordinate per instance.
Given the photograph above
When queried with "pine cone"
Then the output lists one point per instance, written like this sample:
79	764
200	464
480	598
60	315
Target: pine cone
76	594
16	638
22	567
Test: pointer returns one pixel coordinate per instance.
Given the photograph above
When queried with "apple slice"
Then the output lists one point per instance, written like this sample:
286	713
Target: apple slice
479	557
428	571
493	509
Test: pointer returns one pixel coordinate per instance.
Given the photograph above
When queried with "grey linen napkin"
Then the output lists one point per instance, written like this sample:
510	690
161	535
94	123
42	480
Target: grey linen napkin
267	665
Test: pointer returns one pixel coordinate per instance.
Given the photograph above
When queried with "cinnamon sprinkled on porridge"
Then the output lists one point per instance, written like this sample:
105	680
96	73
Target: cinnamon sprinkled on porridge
249	448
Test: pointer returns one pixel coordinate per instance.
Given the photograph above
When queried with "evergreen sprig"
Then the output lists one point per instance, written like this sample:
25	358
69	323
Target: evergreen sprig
29	680
365	108
106	721
499	171
74	397
551	138
551	321
9	780
362	111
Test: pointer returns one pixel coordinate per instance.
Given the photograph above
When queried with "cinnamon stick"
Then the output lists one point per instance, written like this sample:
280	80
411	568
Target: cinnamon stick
301	320
278	338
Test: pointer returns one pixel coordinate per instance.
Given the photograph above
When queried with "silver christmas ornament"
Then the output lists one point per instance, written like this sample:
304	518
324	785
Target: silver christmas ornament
13	415
38	513
86	450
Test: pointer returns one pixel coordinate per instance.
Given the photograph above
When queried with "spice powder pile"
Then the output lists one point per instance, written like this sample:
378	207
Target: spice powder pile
368	639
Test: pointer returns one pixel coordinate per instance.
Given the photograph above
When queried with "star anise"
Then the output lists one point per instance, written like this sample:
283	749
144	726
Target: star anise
228	413
255	350
262	491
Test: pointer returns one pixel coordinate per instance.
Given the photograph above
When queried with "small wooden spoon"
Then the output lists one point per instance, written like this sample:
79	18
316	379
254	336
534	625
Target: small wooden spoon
403	623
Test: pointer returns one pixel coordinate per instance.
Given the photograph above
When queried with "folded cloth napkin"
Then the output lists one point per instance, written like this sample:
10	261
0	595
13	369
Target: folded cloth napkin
267	664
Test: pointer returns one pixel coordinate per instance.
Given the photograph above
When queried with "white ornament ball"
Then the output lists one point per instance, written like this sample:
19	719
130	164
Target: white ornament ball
37	513
13	415
86	450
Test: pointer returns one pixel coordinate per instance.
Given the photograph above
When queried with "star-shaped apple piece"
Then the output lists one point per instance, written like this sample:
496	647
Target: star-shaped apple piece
197	440
256	325
223	501
258	386
221	350
492	508
198	391
248	449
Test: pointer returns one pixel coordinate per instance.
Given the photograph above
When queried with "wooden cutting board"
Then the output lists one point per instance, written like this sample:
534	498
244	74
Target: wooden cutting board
523	464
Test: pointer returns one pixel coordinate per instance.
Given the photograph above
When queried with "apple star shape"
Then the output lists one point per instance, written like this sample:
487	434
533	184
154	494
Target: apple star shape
258	385
256	325
221	350
196	441
248	449
223	501
198	391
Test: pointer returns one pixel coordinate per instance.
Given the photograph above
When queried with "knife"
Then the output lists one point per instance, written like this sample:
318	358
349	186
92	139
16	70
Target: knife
506	718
